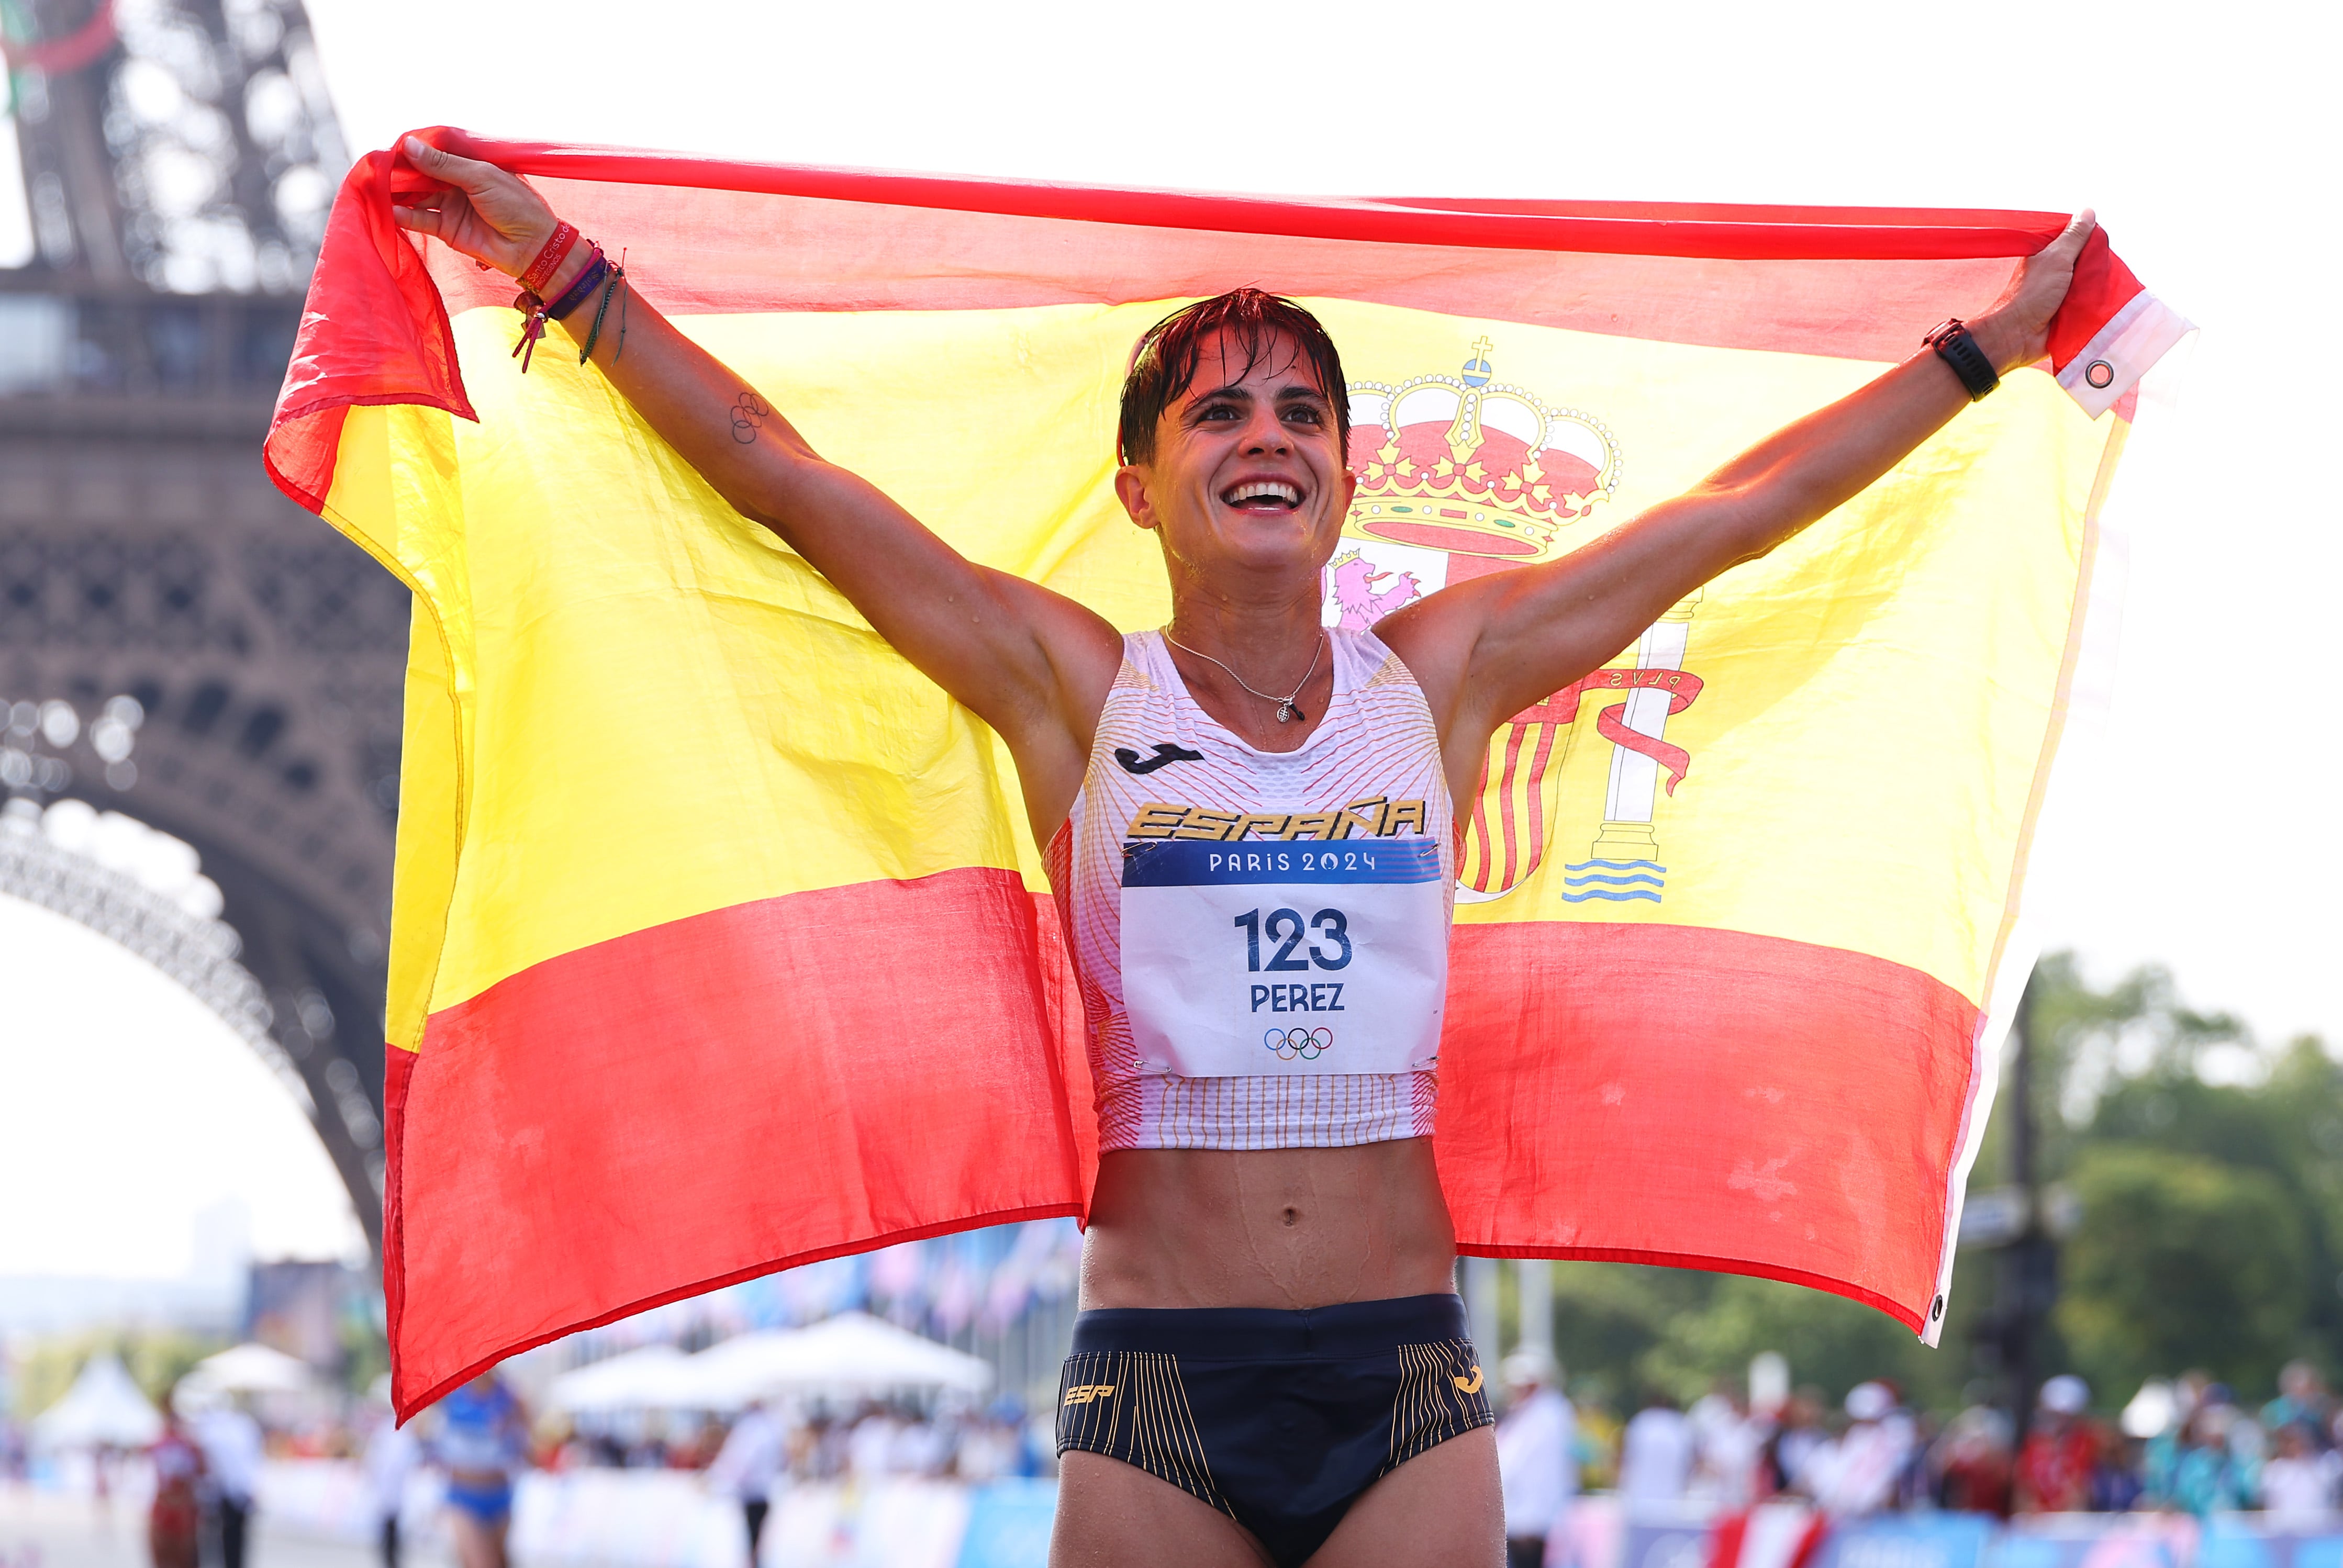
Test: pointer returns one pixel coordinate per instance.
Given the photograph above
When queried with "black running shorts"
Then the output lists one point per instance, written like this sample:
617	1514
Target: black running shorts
1278	1420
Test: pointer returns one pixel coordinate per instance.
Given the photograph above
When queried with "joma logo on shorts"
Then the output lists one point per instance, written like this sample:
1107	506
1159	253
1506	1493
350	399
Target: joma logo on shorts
1084	1393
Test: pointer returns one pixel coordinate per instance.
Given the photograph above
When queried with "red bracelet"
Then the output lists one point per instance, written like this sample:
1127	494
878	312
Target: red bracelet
549	260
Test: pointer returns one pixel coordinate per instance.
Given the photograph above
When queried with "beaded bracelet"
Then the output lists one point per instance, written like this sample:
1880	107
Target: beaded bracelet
620	351
618	280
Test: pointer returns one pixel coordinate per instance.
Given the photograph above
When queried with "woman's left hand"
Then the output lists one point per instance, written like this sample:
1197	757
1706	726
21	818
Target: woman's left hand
2017	330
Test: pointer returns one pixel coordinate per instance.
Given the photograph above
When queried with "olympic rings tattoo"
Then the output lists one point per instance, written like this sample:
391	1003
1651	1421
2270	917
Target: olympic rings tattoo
1303	1044
749	415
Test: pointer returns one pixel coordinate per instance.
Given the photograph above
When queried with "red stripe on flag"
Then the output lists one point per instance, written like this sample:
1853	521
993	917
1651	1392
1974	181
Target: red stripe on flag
1546	733
373	332
627	1124
714	1098
709	235
697	250
1514	735
1706	1099
1635	228
1481	831
397	1072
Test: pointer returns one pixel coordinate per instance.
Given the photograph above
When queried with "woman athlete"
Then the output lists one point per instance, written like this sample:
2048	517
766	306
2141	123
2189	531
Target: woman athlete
483	1445
1271	1363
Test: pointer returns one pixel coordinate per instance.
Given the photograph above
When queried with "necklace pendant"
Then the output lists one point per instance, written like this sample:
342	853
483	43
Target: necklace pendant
1285	712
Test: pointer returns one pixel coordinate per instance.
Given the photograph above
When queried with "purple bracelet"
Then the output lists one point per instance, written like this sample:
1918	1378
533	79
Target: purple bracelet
592	278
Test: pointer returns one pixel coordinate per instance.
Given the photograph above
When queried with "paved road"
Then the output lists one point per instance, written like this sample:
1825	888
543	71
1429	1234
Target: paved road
39	1530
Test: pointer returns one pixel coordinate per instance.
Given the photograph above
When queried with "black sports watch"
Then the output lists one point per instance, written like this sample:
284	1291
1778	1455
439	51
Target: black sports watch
1957	348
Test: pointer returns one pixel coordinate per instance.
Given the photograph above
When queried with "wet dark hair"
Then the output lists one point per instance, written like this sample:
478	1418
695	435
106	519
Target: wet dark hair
1163	366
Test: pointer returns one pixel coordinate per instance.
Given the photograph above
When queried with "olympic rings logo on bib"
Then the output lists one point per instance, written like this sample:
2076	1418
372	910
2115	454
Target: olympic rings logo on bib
1299	1044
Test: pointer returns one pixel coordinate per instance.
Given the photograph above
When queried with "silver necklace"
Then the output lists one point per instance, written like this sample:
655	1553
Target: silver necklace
1287	710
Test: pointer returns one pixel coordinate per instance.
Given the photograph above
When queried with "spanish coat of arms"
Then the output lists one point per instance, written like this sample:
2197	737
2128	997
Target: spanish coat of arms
1461	475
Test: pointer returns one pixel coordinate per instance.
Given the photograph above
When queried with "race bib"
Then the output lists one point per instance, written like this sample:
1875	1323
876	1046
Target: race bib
1268	957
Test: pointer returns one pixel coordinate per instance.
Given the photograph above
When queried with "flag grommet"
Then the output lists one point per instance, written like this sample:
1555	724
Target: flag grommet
2100	374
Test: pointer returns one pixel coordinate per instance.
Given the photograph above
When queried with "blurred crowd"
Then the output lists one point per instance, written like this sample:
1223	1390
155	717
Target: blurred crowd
944	1439
2192	1445
199	1481
481	1439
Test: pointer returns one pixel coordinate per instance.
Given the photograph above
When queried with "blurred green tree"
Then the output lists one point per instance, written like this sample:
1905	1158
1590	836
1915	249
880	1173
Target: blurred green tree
1608	1317
44	1366
2180	1262
2209	1174
1829	1341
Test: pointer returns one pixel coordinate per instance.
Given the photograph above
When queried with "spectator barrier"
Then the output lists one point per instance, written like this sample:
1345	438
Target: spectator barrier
601	1518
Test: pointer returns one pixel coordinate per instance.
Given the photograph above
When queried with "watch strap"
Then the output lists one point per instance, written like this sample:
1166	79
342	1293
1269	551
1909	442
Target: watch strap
1957	348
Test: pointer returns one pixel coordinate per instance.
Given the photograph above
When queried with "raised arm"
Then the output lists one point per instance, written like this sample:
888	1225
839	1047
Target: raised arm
1485	650
1034	665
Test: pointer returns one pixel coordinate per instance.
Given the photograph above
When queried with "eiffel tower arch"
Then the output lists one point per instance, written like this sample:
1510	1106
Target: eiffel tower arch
179	645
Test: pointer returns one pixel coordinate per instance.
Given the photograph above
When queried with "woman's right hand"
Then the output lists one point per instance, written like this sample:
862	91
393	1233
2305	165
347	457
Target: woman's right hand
486	214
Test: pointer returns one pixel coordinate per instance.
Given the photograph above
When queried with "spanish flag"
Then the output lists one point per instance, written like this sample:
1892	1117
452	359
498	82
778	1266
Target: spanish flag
719	942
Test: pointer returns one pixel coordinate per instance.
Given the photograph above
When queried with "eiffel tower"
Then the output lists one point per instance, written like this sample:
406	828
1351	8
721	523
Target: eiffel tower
179	644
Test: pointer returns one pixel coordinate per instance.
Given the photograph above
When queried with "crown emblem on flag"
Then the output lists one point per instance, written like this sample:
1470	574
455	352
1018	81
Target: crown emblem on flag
1470	464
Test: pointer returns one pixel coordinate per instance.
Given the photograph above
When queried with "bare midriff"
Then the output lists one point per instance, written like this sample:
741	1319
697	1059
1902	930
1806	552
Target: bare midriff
1282	1228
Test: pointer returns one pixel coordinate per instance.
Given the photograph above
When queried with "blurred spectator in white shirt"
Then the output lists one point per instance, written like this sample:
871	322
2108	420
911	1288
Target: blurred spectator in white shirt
748	1465
1857	1475
870	1450
1537	1462
2299	1485
392	1455
922	1447
1727	1441
1655	1453
232	1445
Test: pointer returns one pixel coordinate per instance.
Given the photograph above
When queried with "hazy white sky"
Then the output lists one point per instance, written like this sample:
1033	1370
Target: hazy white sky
129	1110
2206	837
2207	148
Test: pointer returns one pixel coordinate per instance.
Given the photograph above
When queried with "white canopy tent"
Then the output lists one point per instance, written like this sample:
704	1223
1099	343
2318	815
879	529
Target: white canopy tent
716	1378
850	1355
645	1379
250	1369
102	1407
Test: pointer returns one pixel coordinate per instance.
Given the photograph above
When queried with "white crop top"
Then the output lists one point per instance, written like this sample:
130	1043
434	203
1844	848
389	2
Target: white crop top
1262	938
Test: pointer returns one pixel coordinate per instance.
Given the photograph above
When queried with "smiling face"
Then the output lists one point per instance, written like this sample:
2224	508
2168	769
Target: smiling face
1247	471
